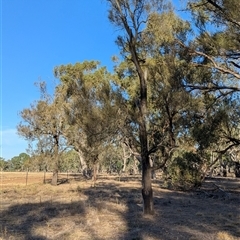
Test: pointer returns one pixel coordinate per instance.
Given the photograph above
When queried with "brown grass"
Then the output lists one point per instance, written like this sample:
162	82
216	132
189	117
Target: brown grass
113	210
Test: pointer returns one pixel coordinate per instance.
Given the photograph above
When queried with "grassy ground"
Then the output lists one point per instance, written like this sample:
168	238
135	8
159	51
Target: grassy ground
113	209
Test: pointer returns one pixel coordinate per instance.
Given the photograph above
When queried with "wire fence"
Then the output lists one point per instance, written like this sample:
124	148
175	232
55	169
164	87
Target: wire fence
27	178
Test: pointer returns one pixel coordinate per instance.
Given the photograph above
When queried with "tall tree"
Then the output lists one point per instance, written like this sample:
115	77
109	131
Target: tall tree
128	16
92	108
150	76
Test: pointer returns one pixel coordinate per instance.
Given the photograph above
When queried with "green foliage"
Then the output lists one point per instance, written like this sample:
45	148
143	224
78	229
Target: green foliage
69	161
3	164
18	163
206	132
185	171
26	160
90	105
217	36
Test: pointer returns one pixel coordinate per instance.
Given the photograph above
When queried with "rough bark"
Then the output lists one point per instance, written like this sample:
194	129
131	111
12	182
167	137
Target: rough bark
83	164
125	157
147	192
55	177
56	163
94	174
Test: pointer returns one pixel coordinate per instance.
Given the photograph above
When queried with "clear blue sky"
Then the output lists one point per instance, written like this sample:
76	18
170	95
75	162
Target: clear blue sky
36	36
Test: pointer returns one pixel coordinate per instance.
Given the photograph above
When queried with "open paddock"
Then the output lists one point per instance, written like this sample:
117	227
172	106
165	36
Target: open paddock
11	179
113	209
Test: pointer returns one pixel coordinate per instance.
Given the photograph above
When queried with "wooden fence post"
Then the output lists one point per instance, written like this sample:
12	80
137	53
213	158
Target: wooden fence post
27	177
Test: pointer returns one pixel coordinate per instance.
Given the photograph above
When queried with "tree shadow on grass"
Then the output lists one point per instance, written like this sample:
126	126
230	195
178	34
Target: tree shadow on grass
42	221
178	215
114	211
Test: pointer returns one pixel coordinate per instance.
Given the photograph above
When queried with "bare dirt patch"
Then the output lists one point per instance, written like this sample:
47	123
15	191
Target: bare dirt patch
113	209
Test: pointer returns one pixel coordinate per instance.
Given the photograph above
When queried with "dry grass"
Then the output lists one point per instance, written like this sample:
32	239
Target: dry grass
113	210
224	236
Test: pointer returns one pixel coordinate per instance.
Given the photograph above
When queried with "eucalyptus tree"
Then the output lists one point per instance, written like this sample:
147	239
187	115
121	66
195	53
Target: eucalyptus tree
42	126
21	162
92	108
151	76
26	160
17	162
3	164
217	43
215	52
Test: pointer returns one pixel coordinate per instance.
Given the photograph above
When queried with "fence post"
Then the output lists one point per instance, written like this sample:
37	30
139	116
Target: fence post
44	177
27	177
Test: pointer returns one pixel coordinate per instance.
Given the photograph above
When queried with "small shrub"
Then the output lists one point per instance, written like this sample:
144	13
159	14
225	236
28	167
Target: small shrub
185	171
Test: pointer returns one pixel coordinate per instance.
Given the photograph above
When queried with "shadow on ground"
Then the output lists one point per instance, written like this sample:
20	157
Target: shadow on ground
114	211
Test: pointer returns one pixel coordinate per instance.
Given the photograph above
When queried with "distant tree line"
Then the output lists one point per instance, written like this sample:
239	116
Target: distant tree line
69	161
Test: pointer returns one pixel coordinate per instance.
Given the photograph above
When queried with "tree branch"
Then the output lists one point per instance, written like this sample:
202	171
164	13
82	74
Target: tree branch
216	66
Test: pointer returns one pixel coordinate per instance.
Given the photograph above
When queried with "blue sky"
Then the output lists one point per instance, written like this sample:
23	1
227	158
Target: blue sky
36	36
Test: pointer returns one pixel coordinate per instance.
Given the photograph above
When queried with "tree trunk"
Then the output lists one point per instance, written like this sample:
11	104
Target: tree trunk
123	10
135	166
56	161
94	174
147	192
237	170
55	177
224	171
27	177
83	164
125	157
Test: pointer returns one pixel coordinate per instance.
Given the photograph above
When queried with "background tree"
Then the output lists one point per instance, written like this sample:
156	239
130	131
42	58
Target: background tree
92	108
69	161
17	163
42	125
218	43
215	51
3	164
26	161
